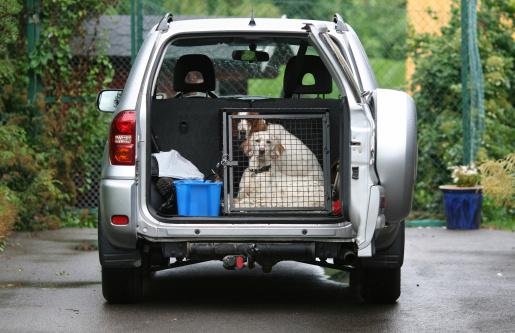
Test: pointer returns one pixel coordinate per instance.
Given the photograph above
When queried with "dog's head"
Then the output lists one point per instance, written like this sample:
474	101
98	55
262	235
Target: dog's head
246	126
263	146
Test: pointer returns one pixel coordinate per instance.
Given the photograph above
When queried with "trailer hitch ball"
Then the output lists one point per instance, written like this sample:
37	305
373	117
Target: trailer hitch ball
234	262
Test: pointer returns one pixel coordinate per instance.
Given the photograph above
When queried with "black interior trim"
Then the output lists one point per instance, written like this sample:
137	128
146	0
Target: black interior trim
193	127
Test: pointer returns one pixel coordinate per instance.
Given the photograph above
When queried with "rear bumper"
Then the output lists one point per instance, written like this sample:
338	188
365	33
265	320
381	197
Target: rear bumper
119	197
245	232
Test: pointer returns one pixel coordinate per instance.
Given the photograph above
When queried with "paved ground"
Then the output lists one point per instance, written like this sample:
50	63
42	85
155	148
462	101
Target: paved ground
452	281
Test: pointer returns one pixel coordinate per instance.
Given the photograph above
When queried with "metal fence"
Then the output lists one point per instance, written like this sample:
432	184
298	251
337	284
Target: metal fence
383	27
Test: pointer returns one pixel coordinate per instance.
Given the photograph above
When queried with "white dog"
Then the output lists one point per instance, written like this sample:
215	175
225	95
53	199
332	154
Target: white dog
263	184
296	159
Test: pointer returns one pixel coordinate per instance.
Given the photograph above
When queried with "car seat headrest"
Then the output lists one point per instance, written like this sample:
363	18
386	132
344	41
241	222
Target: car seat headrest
189	65
297	68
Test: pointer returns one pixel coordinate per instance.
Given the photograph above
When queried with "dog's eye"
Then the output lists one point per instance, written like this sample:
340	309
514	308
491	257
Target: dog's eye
268	141
257	140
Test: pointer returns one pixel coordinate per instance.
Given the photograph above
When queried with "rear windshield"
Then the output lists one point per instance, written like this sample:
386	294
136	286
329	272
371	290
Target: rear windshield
243	67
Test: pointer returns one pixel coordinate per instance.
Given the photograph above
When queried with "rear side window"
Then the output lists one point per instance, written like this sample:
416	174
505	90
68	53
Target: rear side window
241	67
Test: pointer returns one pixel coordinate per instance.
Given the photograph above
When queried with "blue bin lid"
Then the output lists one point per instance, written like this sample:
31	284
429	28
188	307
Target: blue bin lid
196	182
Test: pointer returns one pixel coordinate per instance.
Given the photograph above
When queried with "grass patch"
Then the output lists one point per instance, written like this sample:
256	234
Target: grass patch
389	73
506	224
267	87
274	87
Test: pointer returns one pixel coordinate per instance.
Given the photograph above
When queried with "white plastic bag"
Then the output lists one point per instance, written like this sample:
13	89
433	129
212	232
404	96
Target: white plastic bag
172	164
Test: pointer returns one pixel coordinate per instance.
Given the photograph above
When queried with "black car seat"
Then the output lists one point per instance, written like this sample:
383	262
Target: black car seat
191	63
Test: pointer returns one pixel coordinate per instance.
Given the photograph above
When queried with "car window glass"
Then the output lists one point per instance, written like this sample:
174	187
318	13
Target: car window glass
234	77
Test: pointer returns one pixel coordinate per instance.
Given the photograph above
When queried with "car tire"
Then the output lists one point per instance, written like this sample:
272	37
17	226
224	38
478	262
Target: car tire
122	285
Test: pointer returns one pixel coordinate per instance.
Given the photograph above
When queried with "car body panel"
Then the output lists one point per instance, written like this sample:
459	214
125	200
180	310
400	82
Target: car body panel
123	187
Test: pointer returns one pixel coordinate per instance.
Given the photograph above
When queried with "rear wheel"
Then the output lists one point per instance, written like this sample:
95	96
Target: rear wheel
122	285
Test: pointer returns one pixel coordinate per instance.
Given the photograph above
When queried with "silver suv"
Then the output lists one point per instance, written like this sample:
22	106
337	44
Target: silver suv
254	141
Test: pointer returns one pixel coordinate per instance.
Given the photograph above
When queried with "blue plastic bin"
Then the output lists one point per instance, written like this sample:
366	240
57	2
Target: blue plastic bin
462	208
198	197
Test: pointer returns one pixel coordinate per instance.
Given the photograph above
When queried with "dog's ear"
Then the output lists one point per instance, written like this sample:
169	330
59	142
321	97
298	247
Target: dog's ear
257	125
246	147
277	151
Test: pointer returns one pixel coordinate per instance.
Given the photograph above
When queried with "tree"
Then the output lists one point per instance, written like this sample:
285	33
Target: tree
381	25
43	146
8	36
437	87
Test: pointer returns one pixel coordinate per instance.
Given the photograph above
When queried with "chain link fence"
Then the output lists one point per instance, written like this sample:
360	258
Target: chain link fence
383	27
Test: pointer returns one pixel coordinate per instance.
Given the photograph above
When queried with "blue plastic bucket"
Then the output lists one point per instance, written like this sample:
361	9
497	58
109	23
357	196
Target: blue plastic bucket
462	208
198	197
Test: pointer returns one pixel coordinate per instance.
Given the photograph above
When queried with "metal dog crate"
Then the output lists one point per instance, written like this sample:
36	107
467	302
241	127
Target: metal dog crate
285	168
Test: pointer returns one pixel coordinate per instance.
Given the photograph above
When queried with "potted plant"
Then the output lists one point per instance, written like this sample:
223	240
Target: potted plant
463	200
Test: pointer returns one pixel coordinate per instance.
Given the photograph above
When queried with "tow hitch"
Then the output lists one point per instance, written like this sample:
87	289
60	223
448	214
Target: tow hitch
241	255
236	256
235	262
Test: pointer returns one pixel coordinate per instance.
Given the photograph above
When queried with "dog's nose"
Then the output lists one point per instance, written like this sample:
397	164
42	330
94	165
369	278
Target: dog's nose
242	134
261	152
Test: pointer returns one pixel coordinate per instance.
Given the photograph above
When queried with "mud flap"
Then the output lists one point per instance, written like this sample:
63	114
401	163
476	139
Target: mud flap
113	257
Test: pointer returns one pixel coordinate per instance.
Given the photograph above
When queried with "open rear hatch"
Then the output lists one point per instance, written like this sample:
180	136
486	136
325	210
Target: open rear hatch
247	159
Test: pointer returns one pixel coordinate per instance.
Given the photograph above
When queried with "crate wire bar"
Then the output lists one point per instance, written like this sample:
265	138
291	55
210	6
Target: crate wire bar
281	166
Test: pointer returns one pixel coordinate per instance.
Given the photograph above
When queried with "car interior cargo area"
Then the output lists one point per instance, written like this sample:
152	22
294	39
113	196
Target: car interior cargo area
218	153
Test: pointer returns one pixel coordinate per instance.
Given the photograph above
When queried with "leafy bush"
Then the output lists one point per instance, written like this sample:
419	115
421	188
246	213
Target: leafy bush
9	32
27	181
437	86
45	145
498	180
8	213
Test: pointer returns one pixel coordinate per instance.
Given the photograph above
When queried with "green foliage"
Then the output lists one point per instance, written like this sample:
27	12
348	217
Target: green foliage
498	180
497	217
45	145
237	8
437	86
390	73
8	35
80	218
381	25
8	212
71	124
465	175
27	182
241	8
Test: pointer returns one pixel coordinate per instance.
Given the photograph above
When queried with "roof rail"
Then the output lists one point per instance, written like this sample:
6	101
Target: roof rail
340	24
164	23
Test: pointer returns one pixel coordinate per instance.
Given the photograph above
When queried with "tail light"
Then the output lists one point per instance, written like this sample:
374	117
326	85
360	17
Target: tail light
122	139
120	219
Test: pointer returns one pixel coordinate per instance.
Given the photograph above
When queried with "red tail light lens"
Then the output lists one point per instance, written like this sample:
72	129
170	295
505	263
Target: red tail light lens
120	219
122	139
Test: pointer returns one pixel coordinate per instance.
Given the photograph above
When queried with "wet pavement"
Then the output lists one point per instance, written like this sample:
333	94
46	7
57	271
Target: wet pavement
458	281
